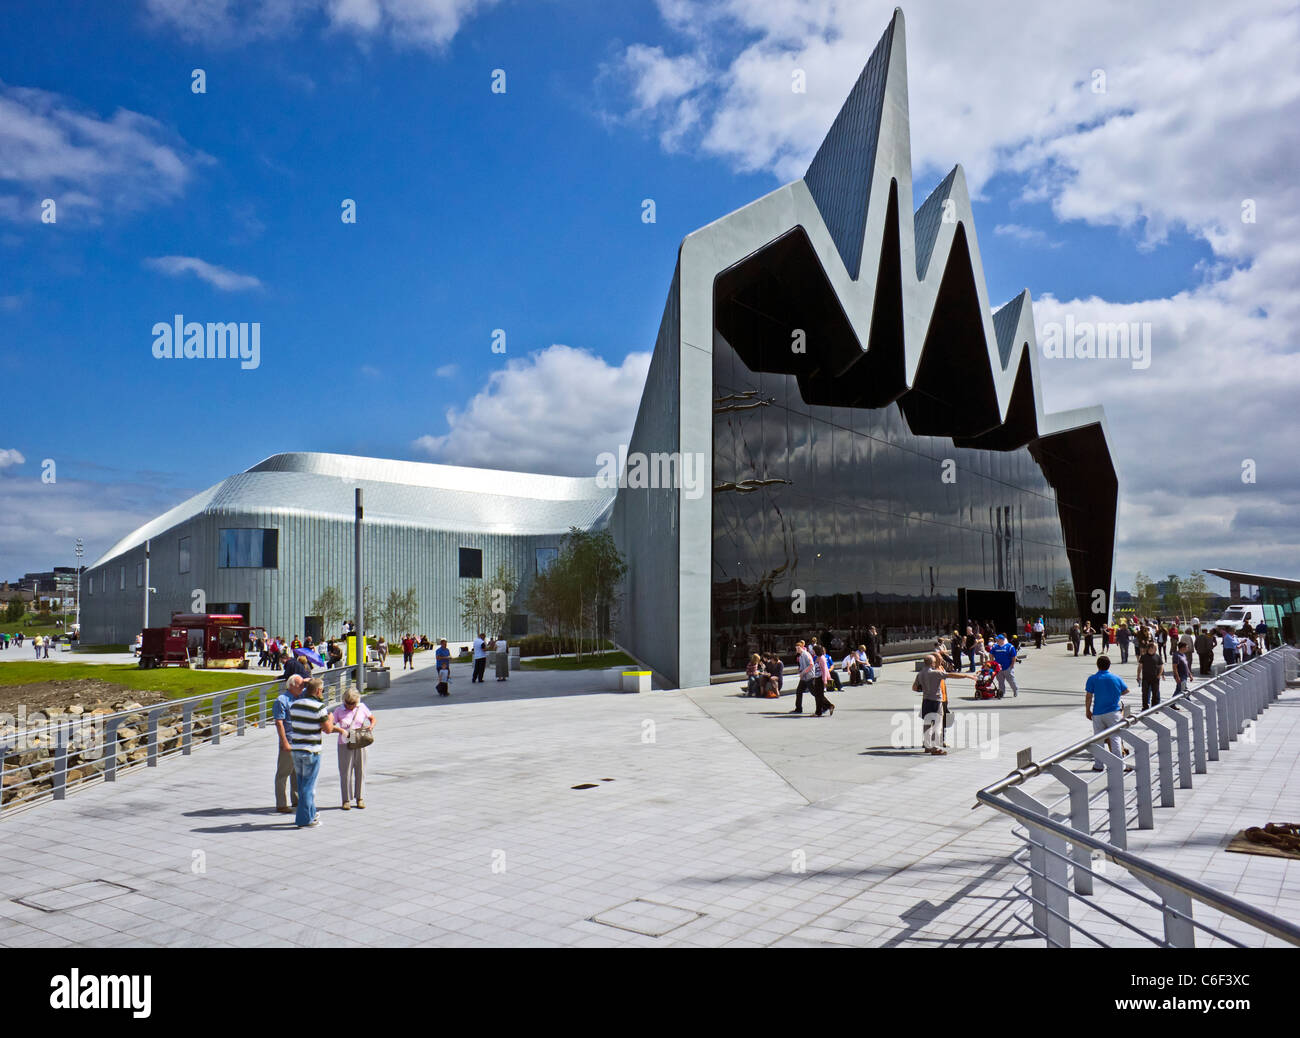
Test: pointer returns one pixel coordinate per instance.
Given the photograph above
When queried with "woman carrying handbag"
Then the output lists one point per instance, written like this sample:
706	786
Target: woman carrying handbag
356	724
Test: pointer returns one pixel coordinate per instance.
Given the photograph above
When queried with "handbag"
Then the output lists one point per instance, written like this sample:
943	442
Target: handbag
360	738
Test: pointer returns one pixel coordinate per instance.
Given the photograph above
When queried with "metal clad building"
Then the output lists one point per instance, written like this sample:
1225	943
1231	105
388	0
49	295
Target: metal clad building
266	542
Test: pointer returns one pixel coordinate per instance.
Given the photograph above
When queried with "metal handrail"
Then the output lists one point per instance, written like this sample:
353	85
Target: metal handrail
1039	767
65	731
1139	866
1226	705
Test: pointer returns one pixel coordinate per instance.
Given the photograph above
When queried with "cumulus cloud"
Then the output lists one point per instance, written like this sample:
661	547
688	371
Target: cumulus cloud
217	277
425	23
551	412
51	148
9	457
1105	128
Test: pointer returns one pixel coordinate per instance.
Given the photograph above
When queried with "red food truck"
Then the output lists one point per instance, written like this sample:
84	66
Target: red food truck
196	640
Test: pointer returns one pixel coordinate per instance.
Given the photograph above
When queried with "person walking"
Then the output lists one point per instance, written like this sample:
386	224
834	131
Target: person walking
352	716
1005	656
806	669
821	680
1089	649
285	802
381	646
1101	705
1039	629
480	658
408	652
1204	645
1182	668
442	659
1162	636
308	721
1150	670
1122	637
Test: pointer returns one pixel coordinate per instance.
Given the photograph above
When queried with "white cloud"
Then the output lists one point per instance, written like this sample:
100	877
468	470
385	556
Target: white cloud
552	412
39	522
10	456
89	165
1021	233
217	277
1187	135
425	23
447	370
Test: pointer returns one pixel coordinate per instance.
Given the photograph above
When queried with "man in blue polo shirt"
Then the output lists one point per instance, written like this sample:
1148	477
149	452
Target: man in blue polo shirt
1101	703
1005	654
442	656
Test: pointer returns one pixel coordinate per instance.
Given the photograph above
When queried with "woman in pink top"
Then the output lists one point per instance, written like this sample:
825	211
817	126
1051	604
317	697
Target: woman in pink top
353	714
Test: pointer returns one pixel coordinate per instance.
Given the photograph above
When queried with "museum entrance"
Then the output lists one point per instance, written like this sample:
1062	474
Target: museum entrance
981	605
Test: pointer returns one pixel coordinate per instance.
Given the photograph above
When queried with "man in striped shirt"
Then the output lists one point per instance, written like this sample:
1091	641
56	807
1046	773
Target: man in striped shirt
308	721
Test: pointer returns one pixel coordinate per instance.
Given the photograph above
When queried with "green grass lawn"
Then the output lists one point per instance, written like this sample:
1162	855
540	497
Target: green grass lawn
598	661
173	682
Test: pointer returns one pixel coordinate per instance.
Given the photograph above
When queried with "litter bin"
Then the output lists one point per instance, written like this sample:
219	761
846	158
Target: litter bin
377	678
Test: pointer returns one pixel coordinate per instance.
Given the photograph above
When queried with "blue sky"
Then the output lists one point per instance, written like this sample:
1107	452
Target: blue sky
522	211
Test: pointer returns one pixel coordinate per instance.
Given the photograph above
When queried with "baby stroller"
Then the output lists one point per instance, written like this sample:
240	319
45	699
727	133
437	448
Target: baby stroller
984	688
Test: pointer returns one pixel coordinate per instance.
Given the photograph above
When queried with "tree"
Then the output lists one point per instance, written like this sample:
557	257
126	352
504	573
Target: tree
1173	599
14	610
1196	595
1145	599
485	604
331	608
398	614
578	593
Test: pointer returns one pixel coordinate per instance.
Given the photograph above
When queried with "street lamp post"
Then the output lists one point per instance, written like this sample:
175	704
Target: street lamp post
79	551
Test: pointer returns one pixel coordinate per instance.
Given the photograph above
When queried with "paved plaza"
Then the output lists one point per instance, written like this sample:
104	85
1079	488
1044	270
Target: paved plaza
708	819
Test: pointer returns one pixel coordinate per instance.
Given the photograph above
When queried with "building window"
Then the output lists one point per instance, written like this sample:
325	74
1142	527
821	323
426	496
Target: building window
121	578
518	625
183	555
90	585
546	559
139	574
249	549
471	562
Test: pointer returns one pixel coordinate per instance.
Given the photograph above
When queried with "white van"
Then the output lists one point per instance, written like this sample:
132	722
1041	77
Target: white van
1247	613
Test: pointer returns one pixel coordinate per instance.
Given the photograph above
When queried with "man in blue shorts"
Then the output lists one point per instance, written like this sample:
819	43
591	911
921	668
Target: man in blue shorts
1101	704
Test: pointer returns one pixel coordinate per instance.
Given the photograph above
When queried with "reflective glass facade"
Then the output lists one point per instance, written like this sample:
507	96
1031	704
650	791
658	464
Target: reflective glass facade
850	507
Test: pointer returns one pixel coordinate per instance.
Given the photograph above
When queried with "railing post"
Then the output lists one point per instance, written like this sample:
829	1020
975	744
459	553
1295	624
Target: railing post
59	779
1185	750
215	721
110	749
1176	908
1047	875
151	751
187	727
239	710
1117	820
1165	750
1080	819
1213	741
1142	765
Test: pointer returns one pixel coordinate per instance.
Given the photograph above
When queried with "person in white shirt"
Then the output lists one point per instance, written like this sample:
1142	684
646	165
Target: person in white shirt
480	658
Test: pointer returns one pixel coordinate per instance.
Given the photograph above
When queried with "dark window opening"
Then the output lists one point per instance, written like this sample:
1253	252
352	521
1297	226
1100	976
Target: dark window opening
471	562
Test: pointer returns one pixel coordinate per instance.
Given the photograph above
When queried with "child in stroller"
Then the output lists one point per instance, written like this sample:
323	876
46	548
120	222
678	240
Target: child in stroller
984	680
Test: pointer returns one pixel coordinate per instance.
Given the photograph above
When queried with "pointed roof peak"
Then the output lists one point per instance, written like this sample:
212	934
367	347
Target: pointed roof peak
839	176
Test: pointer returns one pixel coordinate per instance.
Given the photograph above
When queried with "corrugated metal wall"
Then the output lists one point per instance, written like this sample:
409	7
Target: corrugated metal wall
314	552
